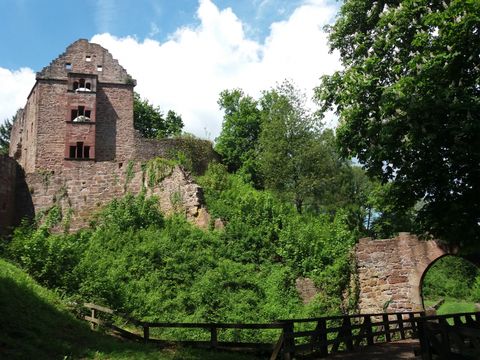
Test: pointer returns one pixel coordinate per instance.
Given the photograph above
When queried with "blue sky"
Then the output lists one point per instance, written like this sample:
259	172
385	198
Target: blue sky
193	48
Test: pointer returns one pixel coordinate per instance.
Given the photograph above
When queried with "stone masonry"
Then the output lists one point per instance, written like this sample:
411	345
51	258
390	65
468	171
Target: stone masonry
76	146
390	272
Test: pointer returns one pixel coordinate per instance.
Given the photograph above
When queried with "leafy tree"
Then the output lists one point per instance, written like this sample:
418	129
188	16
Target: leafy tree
238	141
408	101
150	121
5	130
287	143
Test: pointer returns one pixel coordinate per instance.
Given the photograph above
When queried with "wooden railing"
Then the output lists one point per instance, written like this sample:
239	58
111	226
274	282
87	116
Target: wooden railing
321	337
346	333
449	337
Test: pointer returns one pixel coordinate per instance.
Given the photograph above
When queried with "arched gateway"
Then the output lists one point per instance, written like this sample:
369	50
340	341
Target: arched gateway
390	271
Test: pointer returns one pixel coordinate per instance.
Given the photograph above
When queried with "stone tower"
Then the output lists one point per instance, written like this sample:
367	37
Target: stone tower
79	110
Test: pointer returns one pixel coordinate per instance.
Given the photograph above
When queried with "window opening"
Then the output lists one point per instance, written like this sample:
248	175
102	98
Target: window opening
73	150
68	66
86	152
75	85
88	58
79	150
88	86
99	68
80	114
82	83
74	114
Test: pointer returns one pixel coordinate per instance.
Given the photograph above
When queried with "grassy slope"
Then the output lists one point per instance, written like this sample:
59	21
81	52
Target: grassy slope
36	325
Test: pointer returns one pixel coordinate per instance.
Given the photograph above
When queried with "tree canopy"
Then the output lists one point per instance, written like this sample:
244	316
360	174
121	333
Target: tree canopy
276	143
151	122
409	105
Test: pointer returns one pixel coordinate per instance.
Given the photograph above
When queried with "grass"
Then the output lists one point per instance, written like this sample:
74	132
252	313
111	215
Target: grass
36	324
452	306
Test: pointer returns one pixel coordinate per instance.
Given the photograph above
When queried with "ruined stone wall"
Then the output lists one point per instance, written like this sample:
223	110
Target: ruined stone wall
85	188
115	134
200	151
8	173
390	272
51	125
23	135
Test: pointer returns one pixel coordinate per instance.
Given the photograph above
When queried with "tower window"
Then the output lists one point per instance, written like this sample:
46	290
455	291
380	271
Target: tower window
88	58
99	68
75	85
74	114
68	66
88	86
80	114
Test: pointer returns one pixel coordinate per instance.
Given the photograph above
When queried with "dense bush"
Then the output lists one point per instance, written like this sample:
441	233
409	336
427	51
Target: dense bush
135	260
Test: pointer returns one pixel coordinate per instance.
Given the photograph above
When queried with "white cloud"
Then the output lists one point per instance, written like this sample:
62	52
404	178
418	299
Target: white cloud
187	72
16	86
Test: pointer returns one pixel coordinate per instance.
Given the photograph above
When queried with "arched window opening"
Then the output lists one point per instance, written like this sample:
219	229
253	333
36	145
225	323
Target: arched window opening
451	284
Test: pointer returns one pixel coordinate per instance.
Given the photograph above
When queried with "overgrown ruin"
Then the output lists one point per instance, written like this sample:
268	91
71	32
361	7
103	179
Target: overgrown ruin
74	145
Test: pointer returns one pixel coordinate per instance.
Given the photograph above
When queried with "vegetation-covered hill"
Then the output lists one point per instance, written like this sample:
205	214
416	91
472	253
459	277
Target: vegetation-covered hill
36	324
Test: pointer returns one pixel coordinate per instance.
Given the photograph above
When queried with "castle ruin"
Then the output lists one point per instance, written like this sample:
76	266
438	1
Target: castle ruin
74	145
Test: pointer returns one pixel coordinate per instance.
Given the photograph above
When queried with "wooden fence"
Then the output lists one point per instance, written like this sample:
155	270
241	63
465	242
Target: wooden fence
450	337
316	336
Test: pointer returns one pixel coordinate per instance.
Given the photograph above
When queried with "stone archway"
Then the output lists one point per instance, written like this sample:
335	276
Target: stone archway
390	272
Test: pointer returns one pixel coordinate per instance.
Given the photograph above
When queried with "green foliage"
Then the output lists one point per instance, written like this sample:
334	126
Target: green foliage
36	324
409	105
5	130
150	121
262	229
193	153
277	144
134	260
237	143
451	277
49	258
157	169
130	212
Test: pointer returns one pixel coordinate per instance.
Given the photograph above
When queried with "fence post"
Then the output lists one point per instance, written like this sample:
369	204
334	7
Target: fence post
288	341
94	313
322	337
400	325
348	333
213	337
367	321
146	333
423	337
413	325
386	327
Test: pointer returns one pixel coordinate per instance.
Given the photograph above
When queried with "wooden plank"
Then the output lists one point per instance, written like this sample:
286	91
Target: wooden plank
207	326
93	320
277	348
99	308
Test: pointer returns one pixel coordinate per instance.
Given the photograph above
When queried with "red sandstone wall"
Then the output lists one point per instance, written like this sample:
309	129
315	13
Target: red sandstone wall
390	271
115	134
8	172
87	186
51	125
76	55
